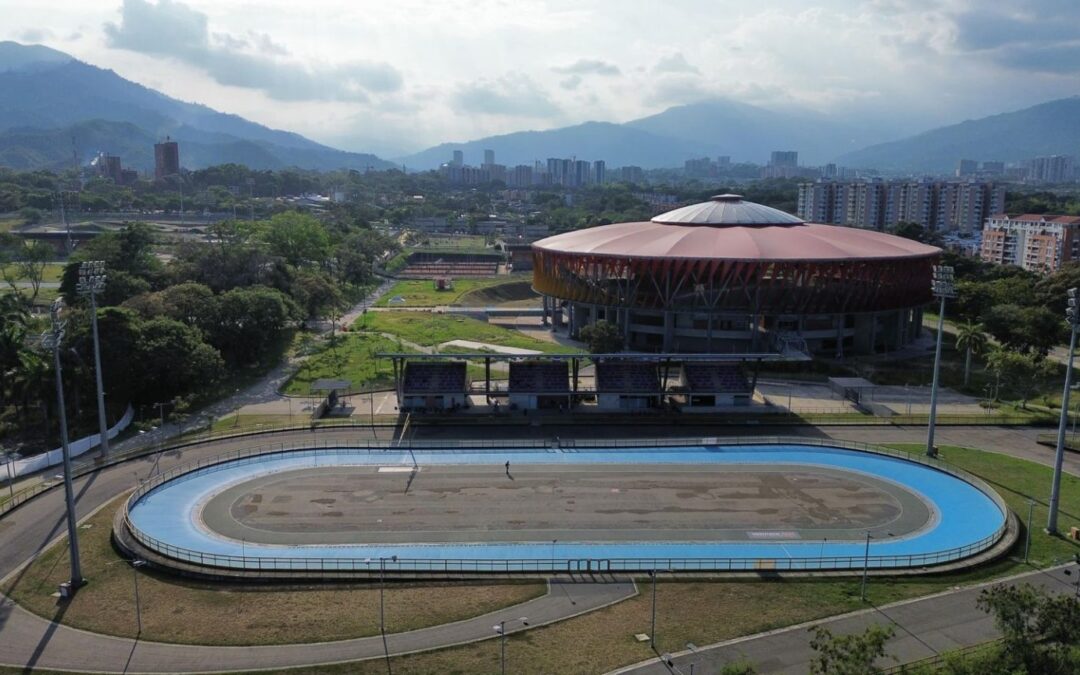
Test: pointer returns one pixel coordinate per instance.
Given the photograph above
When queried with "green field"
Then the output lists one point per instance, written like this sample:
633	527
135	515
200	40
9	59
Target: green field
422	292
429	329
353	359
53	272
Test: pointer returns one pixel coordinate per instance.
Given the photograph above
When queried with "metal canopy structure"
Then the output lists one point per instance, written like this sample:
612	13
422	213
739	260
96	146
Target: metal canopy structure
665	360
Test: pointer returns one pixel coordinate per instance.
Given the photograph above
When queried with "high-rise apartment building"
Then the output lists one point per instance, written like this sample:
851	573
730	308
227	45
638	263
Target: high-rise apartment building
784	158
489	157
966	167
1037	242
945	206
599	172
1052	169
520	176
581	175
166	158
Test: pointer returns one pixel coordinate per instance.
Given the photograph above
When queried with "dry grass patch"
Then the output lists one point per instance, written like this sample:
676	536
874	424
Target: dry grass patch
175	610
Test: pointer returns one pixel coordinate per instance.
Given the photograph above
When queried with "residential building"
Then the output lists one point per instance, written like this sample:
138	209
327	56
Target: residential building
599	172
1039	243
459	158
489	158
944	206
1052	169
520	176
966	167
784	158
166	158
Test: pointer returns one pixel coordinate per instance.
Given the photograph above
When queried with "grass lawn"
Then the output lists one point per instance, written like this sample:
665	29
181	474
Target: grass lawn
175	610
422	293
353	359
428	329
53	272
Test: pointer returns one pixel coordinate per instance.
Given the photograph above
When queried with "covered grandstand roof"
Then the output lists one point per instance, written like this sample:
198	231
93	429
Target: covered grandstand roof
729	228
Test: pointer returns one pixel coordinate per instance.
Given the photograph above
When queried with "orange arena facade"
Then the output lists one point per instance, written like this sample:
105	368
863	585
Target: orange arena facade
729	276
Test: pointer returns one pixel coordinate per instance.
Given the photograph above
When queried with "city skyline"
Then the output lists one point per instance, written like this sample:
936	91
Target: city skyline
384	78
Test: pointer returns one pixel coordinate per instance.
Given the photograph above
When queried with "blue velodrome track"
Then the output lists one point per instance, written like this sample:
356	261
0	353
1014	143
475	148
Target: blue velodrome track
965	519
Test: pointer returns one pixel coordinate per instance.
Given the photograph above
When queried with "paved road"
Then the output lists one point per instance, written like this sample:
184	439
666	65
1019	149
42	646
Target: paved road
33	526
924	628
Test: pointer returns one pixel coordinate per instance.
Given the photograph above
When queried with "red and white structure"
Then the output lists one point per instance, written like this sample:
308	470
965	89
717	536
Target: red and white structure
732	276
1037	242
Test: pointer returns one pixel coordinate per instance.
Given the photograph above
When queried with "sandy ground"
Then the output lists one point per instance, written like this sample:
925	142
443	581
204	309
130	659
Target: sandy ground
542	503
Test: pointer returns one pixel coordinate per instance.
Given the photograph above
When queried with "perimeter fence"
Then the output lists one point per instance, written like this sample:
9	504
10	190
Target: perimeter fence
551	564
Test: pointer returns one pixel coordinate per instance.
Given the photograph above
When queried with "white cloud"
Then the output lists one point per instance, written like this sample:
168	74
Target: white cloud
588	67
675	63
174	29
512	95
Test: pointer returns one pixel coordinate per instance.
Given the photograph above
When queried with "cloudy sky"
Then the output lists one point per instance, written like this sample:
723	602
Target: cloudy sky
399	75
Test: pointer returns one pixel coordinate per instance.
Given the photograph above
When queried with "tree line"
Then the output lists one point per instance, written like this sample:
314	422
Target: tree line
178	327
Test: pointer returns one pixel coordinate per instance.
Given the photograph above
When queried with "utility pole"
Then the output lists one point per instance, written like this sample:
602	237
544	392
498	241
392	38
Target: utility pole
52	340
1072	316
92	282
942	287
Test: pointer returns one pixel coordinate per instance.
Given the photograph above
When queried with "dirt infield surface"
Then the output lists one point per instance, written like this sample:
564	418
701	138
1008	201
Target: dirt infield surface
594	503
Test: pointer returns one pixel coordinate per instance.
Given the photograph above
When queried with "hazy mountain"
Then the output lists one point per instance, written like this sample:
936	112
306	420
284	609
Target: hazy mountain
750	133
47	91
616	144
1051	128
717	127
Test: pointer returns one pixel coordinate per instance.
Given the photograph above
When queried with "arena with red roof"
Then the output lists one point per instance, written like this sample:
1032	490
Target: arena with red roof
729	275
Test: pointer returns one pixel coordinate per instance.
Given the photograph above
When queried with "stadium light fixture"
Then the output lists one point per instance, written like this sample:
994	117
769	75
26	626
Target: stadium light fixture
943	287
1072	317
52	339
91	282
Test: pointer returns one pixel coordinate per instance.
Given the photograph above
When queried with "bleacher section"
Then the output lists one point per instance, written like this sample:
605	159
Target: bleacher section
430	270
626	377
539	377
713	378
446	377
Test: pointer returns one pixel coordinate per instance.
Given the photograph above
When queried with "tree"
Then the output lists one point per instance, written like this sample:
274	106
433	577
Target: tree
174	361
26	262
297	237
602	337
1039	630
1024	328
853	654
248	322
970	338
1021	372
315	293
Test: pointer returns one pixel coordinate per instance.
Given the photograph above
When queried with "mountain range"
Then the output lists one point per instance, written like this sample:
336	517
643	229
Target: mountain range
709	128
51	100
1051	128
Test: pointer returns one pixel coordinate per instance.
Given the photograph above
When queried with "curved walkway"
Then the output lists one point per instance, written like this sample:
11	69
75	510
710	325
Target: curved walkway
26	639
30	641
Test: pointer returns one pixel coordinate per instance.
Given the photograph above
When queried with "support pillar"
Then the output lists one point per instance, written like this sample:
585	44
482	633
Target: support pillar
669	331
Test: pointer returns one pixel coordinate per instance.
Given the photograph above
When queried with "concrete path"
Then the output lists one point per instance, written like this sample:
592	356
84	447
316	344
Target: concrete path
924	628
32	642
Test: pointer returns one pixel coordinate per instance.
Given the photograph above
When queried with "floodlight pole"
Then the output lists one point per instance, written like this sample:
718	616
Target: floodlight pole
10	475
652	626
52	340
866	568
92	282
942	287
1072	315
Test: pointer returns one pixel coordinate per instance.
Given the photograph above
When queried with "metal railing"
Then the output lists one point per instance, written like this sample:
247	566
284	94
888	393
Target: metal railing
553	564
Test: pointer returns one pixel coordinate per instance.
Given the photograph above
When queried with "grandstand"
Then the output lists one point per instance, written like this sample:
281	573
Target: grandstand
624	385
539	384
433	386
714	385
430	265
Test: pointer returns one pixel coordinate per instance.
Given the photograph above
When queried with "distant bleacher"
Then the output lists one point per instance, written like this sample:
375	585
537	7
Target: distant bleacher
431	270
626	377
539	377
708	378
447	377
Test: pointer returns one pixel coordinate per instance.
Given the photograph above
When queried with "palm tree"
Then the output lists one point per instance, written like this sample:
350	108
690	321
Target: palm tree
971	338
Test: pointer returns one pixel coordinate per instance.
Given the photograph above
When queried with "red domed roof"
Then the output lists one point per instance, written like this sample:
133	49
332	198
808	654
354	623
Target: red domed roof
728	228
